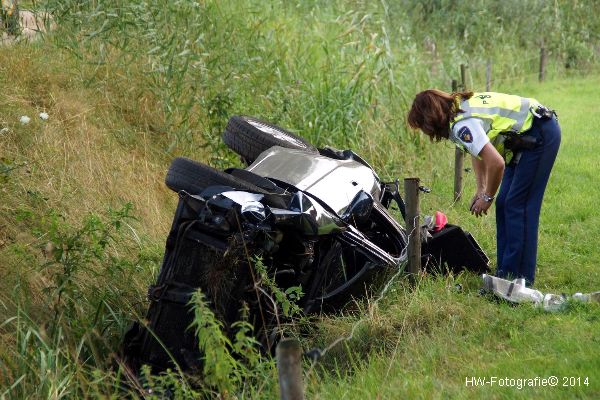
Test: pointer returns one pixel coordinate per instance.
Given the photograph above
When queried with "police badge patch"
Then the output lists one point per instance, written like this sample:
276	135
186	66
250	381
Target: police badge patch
465	135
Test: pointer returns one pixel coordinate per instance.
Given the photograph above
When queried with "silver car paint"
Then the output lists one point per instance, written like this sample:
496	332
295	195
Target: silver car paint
336	182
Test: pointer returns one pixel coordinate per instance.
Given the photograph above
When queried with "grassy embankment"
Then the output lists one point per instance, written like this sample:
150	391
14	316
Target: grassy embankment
127	91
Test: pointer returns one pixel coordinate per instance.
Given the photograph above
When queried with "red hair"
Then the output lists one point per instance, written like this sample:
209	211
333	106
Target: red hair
432	110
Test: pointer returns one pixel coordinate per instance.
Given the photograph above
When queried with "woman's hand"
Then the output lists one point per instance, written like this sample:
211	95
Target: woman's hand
480	206
474	199
488	173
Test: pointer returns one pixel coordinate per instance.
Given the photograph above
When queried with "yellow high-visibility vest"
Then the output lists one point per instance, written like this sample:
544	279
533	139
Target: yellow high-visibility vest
500	113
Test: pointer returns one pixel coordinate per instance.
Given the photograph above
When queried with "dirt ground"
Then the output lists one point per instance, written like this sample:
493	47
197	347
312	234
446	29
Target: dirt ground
32	24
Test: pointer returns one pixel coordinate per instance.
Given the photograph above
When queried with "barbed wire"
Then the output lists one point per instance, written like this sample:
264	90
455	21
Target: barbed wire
481	62
317	353
479	65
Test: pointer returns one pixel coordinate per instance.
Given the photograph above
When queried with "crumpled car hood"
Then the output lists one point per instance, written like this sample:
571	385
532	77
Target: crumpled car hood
335	182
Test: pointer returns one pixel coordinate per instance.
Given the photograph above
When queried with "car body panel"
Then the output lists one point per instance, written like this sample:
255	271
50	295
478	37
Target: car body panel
335	182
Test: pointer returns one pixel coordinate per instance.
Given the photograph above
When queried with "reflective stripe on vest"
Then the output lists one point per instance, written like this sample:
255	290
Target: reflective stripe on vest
500	112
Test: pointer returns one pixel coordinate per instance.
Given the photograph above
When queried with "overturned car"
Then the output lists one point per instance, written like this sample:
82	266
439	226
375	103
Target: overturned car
301	218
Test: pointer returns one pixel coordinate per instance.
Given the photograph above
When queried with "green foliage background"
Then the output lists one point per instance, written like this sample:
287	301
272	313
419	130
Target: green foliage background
329	69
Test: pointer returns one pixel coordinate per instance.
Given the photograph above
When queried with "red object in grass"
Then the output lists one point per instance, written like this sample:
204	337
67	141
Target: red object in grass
440	221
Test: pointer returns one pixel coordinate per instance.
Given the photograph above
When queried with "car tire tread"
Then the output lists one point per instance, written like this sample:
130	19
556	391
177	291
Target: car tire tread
246	139
194	177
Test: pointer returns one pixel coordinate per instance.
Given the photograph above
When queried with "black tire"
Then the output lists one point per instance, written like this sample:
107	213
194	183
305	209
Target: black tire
194	177
249	137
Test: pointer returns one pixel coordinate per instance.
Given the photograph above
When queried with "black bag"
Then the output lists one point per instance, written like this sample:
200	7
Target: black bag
456	249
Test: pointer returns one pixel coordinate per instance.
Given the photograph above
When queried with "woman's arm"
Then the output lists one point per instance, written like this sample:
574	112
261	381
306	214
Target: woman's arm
488	172
479	170
493	166
480	176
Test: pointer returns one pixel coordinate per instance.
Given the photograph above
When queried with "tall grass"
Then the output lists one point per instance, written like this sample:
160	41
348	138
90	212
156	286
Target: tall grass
61	343
324	68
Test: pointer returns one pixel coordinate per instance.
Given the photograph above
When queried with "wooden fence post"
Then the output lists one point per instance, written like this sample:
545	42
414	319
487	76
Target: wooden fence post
411	198
459	162
289	366
458	154
488	75
463	77
542	75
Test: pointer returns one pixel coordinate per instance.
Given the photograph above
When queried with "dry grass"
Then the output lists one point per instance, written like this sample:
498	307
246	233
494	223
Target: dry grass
76	160
82	160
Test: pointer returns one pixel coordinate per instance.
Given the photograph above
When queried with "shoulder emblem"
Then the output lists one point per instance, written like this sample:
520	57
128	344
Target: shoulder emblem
483	98
465	135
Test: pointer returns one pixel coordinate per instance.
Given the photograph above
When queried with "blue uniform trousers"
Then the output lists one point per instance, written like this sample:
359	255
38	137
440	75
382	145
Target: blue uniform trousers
519	202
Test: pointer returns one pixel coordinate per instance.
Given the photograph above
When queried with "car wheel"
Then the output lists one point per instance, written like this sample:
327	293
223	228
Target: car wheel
194	177
249	137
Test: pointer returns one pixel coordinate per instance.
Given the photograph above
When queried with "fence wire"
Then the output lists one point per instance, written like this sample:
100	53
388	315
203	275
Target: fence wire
316	353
